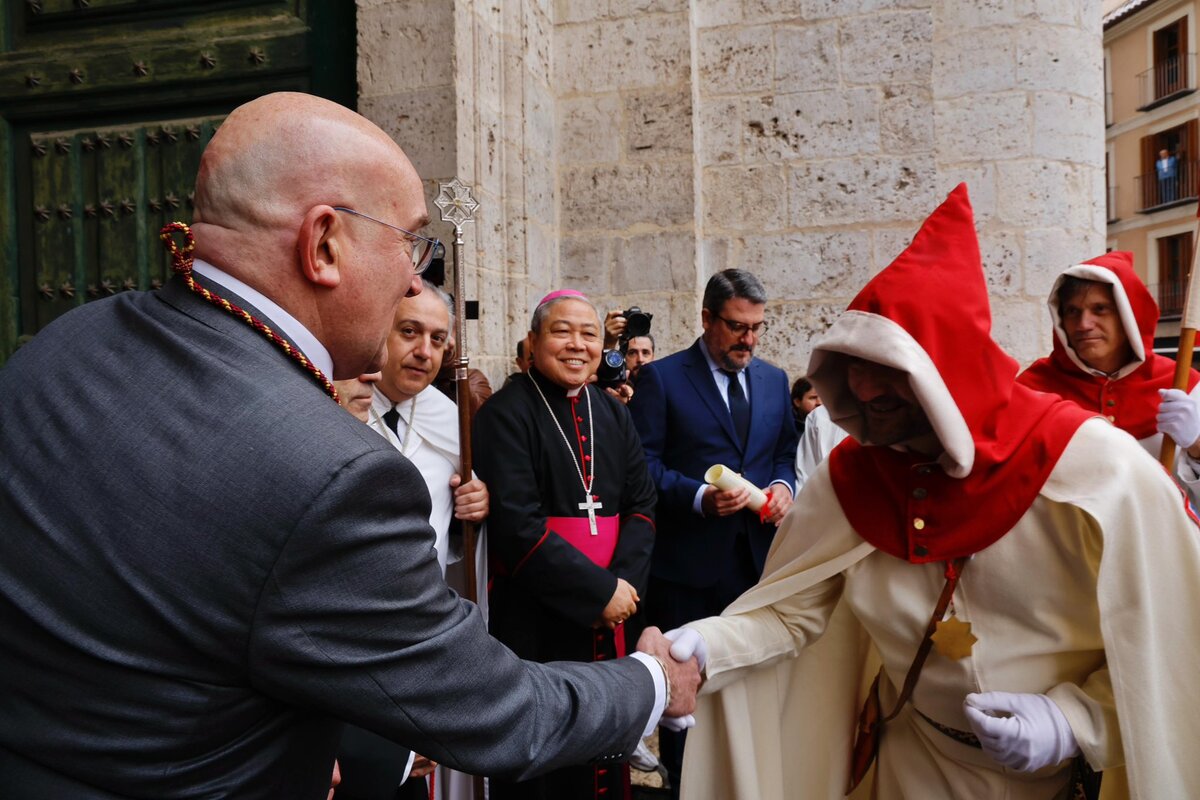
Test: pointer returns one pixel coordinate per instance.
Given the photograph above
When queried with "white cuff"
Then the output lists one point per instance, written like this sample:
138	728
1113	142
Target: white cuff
698	502
789	486
412	756
660	690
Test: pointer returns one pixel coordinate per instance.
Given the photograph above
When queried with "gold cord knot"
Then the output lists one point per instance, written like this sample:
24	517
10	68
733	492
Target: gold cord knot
181	258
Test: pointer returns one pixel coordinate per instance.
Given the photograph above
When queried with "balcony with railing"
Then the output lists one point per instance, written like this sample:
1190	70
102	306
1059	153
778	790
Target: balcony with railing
1155	193
1166	80
1169	296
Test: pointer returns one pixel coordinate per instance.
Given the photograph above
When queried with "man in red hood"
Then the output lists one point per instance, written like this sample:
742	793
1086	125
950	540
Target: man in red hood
1104	360
1062	557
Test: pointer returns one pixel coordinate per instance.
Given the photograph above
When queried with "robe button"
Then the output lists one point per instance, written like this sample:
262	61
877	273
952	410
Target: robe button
1111	403
920	493
583	438
921	550
587	458
579	419
919	524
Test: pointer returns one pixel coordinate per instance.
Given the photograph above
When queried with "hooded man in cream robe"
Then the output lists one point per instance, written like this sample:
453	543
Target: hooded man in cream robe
1080	589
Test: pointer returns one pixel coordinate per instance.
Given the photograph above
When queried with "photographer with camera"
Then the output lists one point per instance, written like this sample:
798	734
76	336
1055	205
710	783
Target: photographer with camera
627	346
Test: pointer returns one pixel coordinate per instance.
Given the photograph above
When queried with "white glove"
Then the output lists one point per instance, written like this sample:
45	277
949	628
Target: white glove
687	643
1179	417
1023	731
677	724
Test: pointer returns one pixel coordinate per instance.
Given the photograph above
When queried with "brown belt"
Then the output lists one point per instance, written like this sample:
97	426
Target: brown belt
962	737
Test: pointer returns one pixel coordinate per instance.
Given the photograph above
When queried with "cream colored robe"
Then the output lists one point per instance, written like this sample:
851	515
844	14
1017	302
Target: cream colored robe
1106	554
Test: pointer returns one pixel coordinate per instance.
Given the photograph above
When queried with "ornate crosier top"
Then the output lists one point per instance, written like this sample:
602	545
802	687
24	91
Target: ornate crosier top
181	262
456	202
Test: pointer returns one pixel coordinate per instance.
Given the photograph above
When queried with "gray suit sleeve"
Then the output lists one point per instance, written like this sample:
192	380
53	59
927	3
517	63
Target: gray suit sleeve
355	621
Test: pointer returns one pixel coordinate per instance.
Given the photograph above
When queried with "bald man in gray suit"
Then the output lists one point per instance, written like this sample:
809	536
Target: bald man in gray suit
205	562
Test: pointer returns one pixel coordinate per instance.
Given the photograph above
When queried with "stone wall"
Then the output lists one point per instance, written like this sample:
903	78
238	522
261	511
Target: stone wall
464	87
623	81
630	148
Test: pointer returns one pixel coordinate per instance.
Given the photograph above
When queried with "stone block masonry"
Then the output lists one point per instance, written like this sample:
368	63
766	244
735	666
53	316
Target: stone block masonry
630	148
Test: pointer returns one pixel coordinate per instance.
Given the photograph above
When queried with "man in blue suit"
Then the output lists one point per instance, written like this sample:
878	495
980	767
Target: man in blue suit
713	404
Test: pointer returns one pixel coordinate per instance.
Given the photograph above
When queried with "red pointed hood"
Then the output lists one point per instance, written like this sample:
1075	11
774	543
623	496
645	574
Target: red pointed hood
1129	397
928	314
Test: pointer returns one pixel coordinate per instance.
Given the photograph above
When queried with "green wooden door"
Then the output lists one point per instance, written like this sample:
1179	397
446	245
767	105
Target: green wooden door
105	108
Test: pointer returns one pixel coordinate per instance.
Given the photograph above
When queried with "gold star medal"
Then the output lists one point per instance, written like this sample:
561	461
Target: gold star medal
953	638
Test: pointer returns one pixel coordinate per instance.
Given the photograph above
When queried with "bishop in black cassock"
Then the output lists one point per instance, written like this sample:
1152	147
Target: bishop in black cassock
538	442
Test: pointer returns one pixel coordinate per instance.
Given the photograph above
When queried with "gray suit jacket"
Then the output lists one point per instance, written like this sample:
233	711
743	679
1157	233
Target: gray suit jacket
205	562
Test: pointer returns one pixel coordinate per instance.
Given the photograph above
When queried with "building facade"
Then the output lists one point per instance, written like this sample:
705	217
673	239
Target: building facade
630	148
1152	149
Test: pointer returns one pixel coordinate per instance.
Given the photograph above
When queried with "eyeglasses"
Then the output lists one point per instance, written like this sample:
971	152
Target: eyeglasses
741	329
423	249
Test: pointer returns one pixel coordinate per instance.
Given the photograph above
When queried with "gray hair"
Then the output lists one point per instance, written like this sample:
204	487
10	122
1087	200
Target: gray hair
445	298
730	283
539	313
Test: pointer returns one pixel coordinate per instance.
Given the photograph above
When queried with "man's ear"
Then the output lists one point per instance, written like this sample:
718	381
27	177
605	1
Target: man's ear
529	347
320	246
705	318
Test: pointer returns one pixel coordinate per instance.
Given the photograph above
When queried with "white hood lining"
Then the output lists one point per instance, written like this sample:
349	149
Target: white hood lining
1094	272
876	338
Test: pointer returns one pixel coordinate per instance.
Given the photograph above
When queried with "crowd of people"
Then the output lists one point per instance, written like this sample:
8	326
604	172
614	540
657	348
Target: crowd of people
194	601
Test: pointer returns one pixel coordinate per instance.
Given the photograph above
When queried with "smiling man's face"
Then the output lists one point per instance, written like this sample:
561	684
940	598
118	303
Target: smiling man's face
890	410
567	347
1093	326
415	346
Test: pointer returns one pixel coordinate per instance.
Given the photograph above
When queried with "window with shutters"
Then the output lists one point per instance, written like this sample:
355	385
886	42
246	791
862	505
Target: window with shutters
1174	266
1173	70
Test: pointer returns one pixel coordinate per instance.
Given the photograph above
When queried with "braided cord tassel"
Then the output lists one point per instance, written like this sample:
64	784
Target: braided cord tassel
181	262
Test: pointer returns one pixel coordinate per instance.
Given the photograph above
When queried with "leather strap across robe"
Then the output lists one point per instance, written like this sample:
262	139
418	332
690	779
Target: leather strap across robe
870	723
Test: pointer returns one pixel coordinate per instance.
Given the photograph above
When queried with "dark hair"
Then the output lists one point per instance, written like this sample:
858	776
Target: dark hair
647	335
730	283
801	387
1072	287
520	348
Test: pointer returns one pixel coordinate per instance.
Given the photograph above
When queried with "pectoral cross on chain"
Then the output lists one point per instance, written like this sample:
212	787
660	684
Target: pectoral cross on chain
590	506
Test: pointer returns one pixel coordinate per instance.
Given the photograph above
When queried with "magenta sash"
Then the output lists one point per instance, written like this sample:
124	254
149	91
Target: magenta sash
599	548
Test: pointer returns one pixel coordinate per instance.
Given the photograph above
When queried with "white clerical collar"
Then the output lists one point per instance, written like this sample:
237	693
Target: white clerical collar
380	402
713	366
300	335
570	392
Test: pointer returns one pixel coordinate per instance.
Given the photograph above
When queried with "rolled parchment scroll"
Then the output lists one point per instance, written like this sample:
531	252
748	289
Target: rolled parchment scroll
726	479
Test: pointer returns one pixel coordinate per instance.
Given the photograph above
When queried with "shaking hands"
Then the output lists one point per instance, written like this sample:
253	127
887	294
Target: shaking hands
683	676
683	653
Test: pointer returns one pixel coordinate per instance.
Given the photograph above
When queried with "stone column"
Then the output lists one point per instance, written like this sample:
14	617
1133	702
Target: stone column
464	87
1018	92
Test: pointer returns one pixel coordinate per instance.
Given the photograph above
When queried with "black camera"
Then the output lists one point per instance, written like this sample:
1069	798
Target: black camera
613	371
